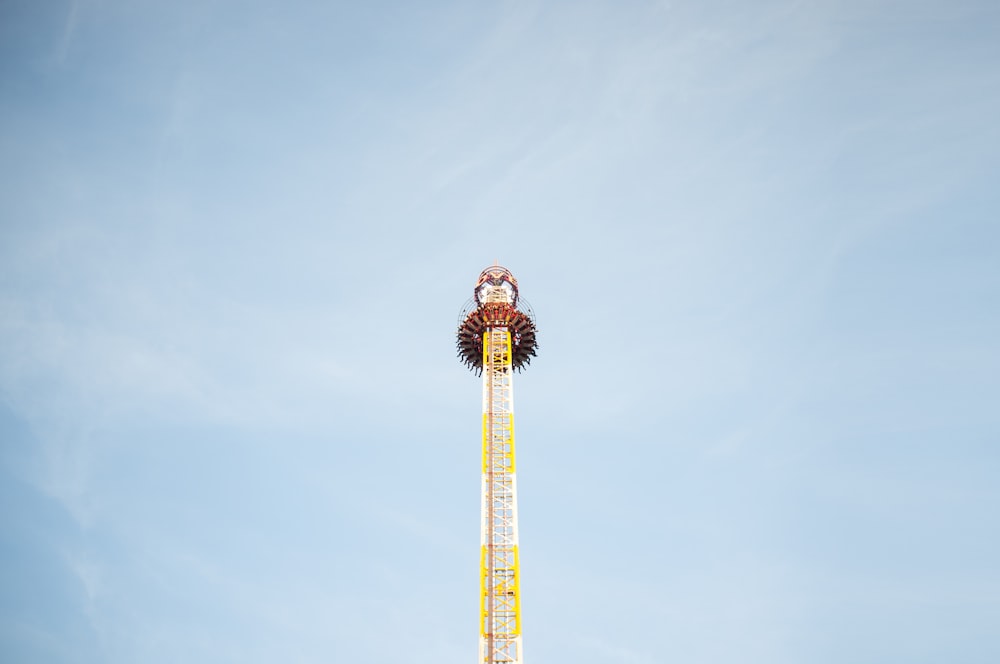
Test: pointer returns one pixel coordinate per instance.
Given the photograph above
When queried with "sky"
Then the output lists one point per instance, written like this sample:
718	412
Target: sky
761	240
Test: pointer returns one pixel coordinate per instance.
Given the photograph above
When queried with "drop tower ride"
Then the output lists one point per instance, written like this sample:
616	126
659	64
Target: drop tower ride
496	335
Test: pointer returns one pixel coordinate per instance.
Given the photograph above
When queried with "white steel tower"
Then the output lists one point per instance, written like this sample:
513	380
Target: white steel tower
495	337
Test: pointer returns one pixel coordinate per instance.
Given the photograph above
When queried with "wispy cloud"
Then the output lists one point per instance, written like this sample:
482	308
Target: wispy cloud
68	33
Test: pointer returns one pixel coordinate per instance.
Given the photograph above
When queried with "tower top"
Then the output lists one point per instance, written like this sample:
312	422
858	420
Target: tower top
496	303
496	284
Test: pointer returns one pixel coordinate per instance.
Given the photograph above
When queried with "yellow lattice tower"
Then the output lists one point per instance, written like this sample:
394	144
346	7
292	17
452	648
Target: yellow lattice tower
495	337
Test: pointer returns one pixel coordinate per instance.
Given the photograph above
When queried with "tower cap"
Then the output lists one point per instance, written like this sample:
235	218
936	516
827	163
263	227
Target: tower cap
496	277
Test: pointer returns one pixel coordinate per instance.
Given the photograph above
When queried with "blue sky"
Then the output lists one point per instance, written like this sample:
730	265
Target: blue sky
761	240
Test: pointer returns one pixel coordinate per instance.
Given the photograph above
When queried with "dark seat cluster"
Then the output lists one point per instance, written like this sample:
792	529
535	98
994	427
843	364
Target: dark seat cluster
492	315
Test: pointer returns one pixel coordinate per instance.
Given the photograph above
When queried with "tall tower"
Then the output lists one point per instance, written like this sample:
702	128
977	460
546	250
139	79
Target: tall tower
496	334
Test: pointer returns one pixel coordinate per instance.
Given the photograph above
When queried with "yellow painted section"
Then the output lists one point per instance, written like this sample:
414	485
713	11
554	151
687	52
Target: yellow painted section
486	443
507	423
510	437
517	592
507	431
502	588
484	574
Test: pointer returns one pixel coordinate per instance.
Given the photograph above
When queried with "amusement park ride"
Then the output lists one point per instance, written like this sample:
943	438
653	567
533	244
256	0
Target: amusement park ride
496	335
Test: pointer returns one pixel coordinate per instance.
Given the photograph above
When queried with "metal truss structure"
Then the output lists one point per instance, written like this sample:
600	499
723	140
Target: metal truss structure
489	326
